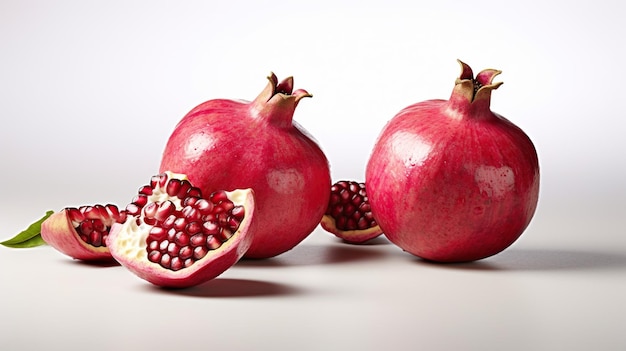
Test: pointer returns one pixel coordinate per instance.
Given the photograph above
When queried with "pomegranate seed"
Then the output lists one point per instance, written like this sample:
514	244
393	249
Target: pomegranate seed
336	211
193	228
171	234
166	261
204	206
86	227
344	195
149	221
238	212
158	181
165	209
189	262
197	240
233	223
190	201
98	225
169	221
218	196
163	245
362	223
185	186
150	209
145	190
348	210
185	252
226	234
173	249
194	192
210	228
157	233
182	238
75	216
95	239
176	263
191	213
226	206
154	256
180	223
212	242
172	188
112	211
199	252
140	200
153	245
133	209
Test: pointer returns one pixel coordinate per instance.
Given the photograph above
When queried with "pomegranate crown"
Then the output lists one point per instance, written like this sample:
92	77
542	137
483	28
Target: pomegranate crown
283	89
278	101
478	88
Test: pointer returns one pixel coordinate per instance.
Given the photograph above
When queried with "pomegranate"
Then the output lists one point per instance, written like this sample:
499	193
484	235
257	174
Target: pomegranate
450	180
174	237
227	144
349	215
81	233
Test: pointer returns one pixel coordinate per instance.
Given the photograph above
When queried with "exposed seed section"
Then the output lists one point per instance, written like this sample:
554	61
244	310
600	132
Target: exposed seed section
183	234
349	206
92	223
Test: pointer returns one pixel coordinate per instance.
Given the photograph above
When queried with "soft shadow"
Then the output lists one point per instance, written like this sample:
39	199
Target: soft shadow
232	288
379	240
542	260
306	255
96	264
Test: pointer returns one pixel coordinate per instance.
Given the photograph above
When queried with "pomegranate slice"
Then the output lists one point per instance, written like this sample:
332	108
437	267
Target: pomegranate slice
173	237
349	215
81	233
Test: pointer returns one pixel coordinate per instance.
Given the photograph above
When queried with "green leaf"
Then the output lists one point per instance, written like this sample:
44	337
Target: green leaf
30	237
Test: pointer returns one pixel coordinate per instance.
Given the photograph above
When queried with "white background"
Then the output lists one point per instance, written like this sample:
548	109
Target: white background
90	91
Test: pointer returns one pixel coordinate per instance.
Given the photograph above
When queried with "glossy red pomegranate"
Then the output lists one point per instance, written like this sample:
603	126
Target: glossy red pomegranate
450	180
234	144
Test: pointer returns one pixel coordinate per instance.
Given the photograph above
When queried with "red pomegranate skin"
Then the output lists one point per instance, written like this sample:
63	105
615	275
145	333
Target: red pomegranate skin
234	144
452	181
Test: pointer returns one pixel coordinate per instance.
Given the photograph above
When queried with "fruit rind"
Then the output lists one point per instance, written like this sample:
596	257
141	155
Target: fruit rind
350	236
58	232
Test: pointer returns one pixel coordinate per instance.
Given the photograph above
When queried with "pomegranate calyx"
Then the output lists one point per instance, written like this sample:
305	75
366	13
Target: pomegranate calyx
478	88
278	101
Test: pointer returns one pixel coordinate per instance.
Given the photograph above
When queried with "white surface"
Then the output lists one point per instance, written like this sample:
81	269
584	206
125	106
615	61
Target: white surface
93	89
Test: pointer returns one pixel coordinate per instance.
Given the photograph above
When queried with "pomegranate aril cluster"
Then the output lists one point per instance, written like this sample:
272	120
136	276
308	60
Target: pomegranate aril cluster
349	206
181	235
92	223
178	238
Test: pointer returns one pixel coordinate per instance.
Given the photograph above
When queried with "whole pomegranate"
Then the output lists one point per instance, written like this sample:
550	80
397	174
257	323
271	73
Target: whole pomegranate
450	180
228	144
